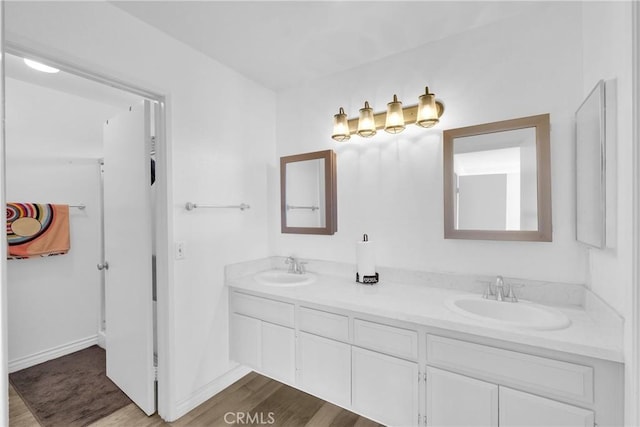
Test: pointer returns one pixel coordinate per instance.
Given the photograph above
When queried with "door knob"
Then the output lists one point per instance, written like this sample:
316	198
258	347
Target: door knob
104	266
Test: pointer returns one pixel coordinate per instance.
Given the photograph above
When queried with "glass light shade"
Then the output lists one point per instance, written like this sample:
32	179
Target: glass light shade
366	122
341	127
395	116
427	110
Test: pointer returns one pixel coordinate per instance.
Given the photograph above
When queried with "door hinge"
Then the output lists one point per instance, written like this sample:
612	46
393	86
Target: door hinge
419	378
425	376
425	420
155	373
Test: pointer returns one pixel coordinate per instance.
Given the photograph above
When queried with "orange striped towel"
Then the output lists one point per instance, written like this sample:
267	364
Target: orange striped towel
37	230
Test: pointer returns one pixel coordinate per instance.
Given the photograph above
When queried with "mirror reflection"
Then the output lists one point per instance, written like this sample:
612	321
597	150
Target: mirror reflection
497	180
590	169
308	193
305	194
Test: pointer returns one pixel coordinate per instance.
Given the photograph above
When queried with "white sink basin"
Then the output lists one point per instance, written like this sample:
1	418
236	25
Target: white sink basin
523	314
284	279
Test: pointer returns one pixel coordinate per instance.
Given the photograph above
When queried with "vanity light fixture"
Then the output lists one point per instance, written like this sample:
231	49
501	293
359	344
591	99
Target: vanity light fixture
426	114
395	117
366	122
340	127
40	67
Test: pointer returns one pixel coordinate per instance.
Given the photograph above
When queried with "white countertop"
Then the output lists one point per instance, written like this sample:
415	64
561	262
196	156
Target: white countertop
590	333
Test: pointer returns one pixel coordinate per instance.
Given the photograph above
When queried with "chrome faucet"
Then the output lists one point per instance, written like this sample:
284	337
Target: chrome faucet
499	293
499	288
295	266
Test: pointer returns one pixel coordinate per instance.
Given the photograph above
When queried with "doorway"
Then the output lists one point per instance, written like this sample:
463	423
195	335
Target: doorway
66	167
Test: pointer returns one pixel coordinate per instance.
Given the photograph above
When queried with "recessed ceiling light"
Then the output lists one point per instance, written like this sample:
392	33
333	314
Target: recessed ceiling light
40	67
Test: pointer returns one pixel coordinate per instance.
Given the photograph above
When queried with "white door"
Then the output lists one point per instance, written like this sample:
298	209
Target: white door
526	410
456	400
325	368
127	225
384	387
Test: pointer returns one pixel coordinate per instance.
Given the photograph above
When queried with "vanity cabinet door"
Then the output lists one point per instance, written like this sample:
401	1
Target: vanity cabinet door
278	352
325	368
263	346
457	400
524	409
245	338
385	388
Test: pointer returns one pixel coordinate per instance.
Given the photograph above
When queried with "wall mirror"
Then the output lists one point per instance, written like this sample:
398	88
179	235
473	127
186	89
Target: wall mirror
590	169
308	193
497	181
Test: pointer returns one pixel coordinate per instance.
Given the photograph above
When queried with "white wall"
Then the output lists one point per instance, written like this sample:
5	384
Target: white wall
221	129
607	54
53	143
391	186
44	122
55	301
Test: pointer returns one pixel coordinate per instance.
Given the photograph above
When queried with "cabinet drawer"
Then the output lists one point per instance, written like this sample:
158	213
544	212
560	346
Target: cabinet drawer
262	308
323	323
533	373
388	339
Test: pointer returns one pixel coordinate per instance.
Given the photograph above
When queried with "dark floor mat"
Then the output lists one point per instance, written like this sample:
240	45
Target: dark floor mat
70	391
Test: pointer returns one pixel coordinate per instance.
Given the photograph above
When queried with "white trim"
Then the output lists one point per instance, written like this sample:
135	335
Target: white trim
209	390
4	333
632	413
72	68
165	331
52	353
102	340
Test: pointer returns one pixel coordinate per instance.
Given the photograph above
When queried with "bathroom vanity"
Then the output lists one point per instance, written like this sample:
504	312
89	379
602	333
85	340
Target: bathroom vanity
395	353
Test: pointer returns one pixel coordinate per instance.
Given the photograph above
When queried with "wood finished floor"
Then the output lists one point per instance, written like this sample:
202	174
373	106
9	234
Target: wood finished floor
253	394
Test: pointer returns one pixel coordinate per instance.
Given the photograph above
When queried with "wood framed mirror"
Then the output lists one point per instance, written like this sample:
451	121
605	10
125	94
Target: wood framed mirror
308	193
497	181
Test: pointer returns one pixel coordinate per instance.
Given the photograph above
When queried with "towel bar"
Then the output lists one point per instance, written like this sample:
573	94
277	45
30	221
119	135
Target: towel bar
81	207
312	208
191	206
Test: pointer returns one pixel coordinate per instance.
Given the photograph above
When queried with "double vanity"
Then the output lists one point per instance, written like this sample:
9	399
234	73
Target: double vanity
426	349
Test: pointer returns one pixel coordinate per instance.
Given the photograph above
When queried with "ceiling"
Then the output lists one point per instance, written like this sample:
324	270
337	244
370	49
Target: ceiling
281	44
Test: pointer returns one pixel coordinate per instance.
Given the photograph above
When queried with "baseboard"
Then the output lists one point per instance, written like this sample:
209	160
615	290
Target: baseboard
209	390
43	356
